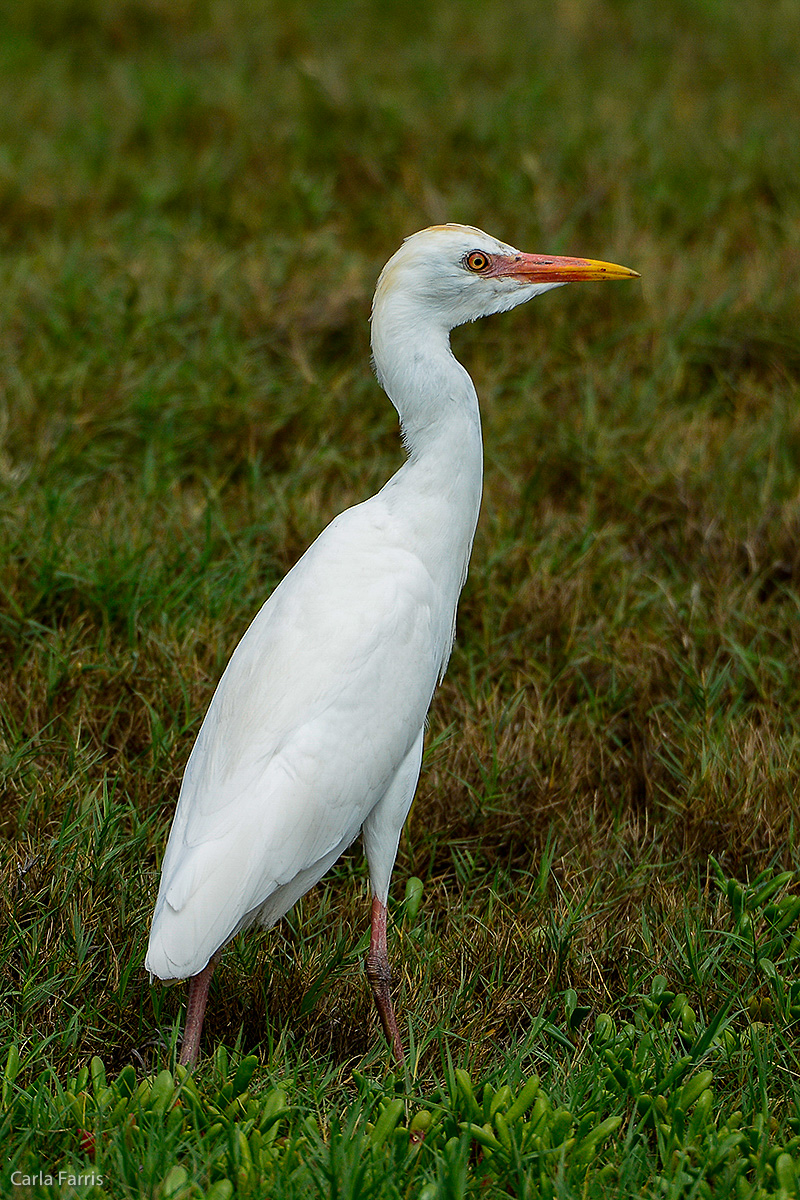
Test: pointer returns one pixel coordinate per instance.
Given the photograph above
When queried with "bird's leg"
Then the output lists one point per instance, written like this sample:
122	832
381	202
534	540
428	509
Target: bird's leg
380	976
195	1011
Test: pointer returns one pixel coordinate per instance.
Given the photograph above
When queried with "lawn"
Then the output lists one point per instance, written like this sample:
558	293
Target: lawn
595	913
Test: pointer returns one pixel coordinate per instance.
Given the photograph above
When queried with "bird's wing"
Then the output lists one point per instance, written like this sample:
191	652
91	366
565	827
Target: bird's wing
320	704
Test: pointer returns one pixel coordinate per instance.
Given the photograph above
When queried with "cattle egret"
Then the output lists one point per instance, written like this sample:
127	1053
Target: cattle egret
315	730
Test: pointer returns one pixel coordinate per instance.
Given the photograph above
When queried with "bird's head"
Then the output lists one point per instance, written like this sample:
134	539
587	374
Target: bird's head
451	274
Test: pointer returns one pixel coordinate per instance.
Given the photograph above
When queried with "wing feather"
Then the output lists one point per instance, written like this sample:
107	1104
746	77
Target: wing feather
318	708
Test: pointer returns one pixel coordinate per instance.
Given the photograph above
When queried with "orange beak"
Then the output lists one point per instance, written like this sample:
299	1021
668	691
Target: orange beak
546	268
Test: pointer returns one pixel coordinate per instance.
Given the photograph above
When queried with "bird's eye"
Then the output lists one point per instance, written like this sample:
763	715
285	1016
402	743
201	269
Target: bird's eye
477	261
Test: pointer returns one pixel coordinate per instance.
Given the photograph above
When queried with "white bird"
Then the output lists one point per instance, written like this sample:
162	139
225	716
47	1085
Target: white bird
315	731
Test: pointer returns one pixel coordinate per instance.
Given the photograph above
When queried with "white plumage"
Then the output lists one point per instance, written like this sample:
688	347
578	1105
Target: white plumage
315	730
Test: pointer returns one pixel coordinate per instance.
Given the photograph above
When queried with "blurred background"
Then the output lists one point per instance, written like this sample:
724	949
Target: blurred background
195	201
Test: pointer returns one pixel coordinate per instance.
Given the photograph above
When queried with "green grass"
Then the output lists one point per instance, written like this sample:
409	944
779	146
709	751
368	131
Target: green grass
195	201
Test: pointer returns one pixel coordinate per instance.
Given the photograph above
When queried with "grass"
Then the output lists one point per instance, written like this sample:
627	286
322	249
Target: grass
195	201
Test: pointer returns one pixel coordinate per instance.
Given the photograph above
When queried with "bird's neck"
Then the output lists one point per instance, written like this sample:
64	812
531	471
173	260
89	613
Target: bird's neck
433	394
440	484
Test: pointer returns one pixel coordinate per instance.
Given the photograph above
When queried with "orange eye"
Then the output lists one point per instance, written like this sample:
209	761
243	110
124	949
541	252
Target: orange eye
477	261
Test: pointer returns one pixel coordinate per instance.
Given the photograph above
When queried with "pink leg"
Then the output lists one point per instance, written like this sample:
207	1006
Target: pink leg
195	1011
380	976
